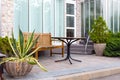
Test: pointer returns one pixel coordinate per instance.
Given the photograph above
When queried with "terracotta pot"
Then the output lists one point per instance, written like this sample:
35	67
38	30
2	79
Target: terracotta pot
17	69
99	48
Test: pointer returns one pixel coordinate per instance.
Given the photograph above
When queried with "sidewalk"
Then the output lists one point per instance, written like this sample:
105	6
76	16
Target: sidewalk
112	77
91	67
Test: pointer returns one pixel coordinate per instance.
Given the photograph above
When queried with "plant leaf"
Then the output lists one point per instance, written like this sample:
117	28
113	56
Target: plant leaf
21	43
31	46
30	39
13	45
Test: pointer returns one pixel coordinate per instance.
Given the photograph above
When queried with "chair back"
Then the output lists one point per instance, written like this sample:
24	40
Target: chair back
44	38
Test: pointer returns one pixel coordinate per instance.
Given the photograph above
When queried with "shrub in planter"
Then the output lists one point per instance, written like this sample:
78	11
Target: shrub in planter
113	46
99	35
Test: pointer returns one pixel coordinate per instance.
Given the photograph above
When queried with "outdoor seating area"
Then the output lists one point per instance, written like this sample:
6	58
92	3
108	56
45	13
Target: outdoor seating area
59	39
44	42
57	71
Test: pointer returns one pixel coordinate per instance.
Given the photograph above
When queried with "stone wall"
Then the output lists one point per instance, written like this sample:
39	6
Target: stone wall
78	18
7	15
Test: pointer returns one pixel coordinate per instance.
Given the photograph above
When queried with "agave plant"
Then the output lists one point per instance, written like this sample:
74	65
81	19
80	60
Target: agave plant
22	50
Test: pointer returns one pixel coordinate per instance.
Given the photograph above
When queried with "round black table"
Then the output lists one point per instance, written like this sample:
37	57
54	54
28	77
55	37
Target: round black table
68	41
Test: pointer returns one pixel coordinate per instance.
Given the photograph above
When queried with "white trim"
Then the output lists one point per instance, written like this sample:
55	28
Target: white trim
42	16
71	15
84	17
109	15
0	16
89	14
54	3
71	2
106	11
66	27
101	8
118	16
65	18
113	17
95	9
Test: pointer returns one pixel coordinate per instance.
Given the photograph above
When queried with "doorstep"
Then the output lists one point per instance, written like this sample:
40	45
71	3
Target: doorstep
91	67
90	75
87	73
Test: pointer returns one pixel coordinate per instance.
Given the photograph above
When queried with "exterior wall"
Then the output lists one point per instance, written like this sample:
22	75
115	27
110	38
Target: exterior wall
78	19
7	15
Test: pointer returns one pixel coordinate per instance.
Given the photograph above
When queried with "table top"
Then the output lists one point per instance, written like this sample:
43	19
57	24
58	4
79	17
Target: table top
69	37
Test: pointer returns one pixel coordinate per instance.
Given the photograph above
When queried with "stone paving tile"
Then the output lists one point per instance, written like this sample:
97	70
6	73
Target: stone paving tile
89	63
112	77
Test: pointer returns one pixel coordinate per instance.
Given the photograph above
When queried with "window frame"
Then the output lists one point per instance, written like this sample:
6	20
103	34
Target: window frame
74	28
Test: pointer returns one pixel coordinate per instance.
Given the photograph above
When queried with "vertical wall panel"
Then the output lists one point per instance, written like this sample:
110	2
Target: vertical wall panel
45	16
20	15
35	15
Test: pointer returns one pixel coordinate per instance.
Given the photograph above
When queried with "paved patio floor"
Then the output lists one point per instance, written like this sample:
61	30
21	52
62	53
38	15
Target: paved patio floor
55	69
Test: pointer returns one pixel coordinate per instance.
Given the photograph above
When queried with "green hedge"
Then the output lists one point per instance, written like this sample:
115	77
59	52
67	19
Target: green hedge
113	46
5	47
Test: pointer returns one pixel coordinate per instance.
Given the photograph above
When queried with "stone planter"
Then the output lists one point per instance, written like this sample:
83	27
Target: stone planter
17	69
99	48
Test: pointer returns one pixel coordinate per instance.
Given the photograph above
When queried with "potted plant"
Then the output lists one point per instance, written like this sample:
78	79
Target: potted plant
99	35
22	60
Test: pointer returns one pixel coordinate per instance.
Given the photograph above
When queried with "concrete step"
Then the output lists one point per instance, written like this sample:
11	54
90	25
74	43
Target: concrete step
84	42
91	75
81	53
80	49
80	46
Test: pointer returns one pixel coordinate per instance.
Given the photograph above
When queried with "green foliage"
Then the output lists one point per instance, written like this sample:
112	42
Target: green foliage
115	35
113	45
112	48
5	46
100	32
23	51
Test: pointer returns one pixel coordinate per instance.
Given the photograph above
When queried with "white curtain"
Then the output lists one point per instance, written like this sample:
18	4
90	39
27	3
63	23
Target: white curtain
45	16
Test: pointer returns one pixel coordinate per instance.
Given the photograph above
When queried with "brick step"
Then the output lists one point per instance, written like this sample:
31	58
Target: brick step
76	46
84	42
80	49
81	52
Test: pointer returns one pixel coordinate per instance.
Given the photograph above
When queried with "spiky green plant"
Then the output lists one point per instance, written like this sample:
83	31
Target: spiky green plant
23	51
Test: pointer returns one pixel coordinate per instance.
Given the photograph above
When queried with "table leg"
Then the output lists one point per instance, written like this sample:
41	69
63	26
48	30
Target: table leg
76	59
68	57
70	61
61	60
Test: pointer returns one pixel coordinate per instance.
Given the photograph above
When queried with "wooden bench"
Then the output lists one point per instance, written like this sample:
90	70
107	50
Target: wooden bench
44	42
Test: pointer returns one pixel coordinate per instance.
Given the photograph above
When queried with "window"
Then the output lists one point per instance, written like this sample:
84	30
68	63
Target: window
70	18
108	9
70	21
70	9
70	32
45	16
